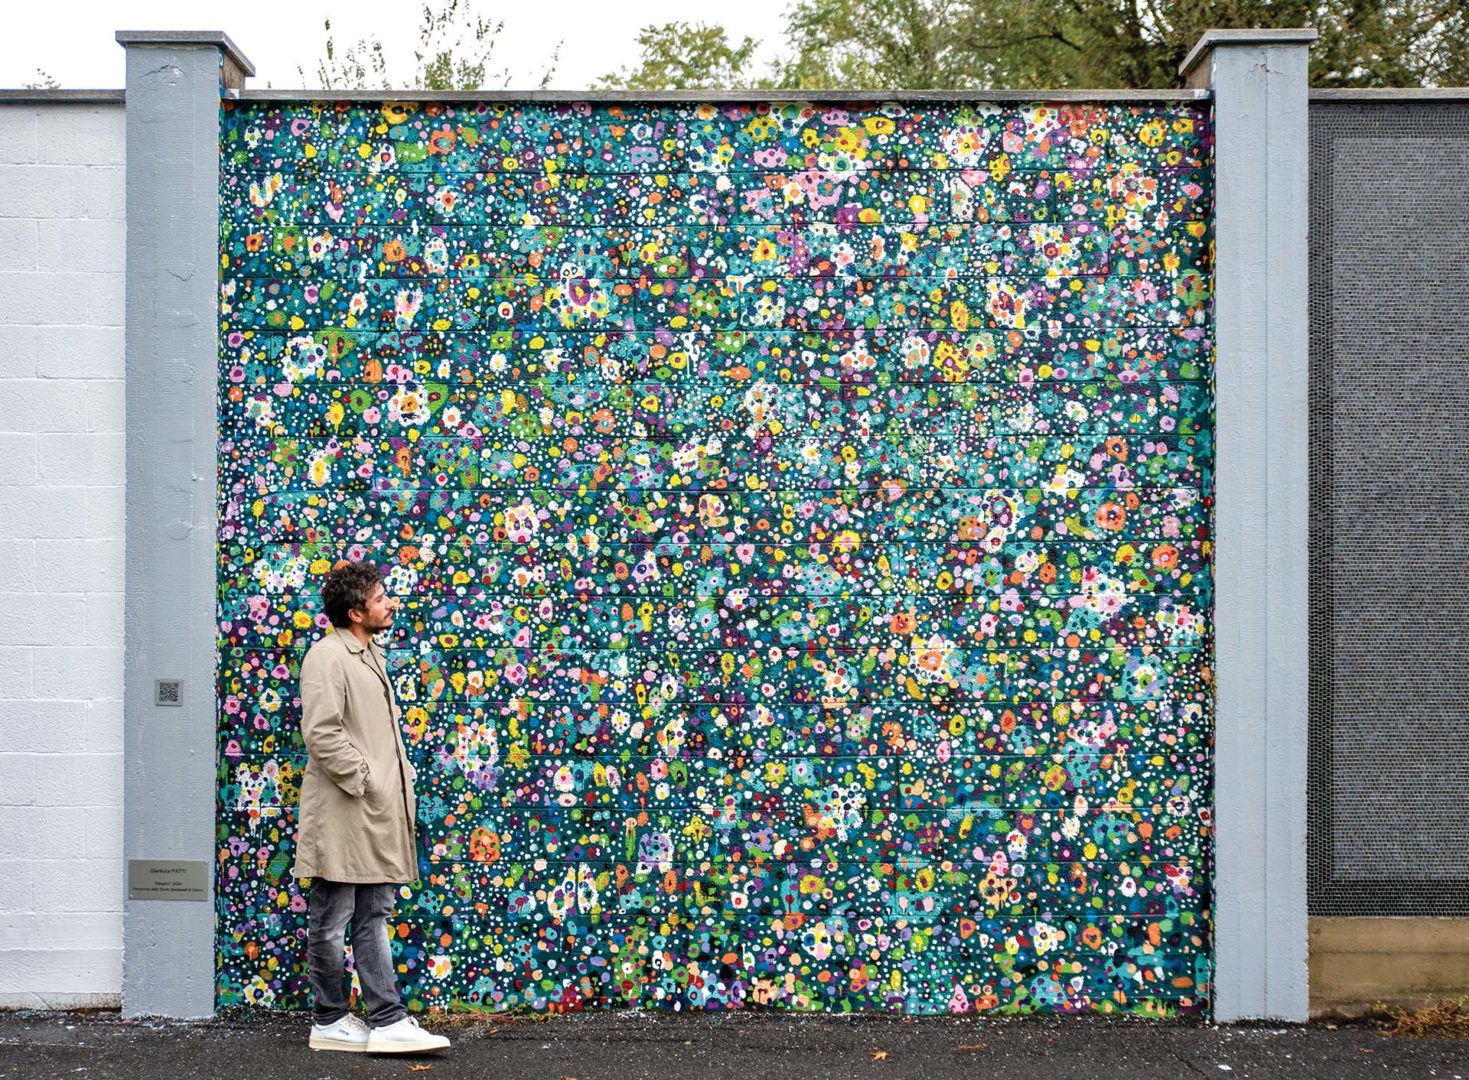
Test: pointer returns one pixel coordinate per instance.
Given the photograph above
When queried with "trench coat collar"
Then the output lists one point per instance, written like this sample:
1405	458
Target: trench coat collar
349	639
370	655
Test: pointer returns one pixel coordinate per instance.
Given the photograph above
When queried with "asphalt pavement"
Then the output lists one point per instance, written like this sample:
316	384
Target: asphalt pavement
737	1046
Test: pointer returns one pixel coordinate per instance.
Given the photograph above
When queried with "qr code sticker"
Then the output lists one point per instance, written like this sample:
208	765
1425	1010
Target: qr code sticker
169	692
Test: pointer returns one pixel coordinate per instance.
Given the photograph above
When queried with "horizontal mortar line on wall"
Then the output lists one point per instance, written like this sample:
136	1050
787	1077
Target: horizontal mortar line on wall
583	595
250	433
636	548
576	376
245	222
617	331
966	437
255	221
572	376
620	450
632	494
690	922
612	230
681	811
875	488
770	591
935	603
588	488
406	657
856	230
488	391
970	809
291	277
786	705
707	97
574	472
762	874
760	651
767	885
613	331
846	288
567	177
709	770
720	638
964	764
626	751
594	817
688	546
829	854
693	918
844	291
764	593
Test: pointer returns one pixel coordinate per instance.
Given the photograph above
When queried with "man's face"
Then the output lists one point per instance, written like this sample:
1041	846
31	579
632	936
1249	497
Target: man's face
377	614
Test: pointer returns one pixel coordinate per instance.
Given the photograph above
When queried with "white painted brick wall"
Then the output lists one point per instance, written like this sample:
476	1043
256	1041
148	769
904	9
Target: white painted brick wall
62	236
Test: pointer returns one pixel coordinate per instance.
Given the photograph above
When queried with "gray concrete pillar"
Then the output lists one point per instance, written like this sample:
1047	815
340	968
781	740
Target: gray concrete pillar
1261	172
169	626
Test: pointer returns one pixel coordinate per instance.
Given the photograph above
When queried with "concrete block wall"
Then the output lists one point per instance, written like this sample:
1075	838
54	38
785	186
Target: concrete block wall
62	234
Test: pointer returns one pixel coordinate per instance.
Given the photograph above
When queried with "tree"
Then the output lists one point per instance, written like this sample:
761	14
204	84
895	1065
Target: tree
687	56
882	44
1025	44
453	52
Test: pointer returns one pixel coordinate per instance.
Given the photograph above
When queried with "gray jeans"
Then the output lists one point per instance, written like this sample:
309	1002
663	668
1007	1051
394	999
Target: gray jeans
332	906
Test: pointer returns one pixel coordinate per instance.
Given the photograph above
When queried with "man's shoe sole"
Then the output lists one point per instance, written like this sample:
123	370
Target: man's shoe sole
404	1048
317	1043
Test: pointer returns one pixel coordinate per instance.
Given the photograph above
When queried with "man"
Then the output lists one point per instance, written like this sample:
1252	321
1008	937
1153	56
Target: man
356	839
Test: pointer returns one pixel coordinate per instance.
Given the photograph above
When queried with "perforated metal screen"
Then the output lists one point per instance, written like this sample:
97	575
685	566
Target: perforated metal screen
1389	769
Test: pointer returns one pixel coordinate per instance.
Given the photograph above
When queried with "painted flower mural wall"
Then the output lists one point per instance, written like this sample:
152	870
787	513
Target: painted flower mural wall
802	520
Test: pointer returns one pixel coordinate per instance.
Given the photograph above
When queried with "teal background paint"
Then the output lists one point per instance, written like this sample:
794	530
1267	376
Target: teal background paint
802	519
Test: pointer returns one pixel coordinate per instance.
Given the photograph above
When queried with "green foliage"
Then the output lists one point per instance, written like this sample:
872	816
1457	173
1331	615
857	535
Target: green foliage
453	51
1028	44
44	80
687	56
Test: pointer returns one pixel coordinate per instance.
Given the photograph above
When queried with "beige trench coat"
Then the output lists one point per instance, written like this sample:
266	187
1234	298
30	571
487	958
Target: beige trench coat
358	806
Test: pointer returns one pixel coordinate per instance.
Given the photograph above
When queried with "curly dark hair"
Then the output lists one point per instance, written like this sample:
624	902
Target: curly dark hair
348	586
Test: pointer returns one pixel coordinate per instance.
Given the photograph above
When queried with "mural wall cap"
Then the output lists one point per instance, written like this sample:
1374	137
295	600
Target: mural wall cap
217	38
719	97
1298	35
58	96
1421	95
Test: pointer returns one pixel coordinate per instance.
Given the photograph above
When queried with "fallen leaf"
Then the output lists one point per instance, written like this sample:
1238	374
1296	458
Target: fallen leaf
879	1055
970	1046
419	1068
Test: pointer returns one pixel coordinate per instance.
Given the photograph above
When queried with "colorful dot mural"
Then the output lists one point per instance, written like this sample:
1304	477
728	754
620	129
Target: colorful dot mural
802	521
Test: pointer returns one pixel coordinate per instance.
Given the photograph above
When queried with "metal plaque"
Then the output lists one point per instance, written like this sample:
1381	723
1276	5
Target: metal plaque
159	879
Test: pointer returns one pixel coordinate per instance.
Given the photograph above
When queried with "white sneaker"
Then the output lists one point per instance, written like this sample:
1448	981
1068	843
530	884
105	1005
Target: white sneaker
349	1034
404	1037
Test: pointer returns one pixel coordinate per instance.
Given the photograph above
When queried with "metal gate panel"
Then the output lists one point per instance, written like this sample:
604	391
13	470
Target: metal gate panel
1389	769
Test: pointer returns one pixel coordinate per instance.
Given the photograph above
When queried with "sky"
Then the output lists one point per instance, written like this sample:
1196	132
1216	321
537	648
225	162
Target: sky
72	40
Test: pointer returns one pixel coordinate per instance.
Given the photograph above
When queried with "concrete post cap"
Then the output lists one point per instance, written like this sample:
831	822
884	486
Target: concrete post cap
218	38
1302	35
